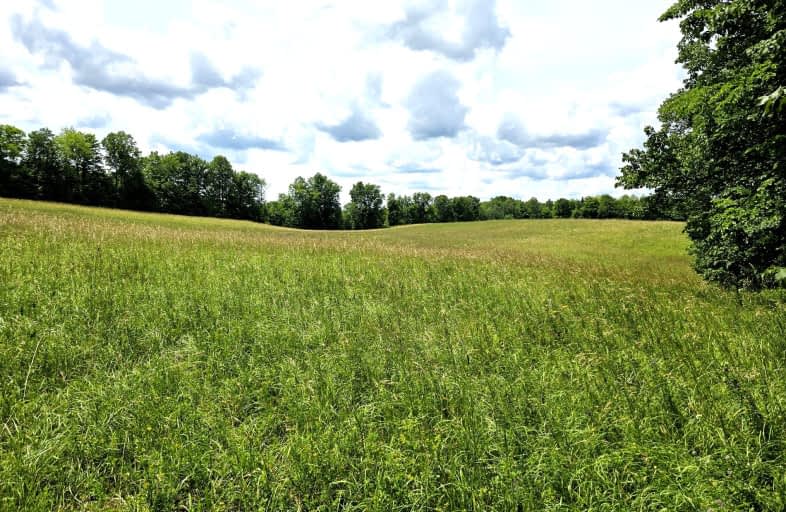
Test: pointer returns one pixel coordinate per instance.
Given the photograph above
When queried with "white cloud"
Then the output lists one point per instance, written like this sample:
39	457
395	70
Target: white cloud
288	89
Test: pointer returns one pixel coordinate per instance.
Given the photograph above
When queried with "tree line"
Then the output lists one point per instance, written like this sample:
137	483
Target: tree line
314	203
76	167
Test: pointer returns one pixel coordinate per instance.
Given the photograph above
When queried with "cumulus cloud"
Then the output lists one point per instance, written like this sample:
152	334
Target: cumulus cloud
422	185
481	29
588	168
529	172
557	166
434	107
493	151
162	142
359	126
512	131
627	109
563	166
352	172
414	168
225	138
374	88
7	80
95	121
204	73
205	76
102	69
49	4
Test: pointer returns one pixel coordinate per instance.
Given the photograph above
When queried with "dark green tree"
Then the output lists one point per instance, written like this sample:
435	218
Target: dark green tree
282	211
365	210
562	209
80	158
466	208
421	210
15	179
720	152
501	207
177	182
443	209
398	210
124	161
607	207
588	208
246	197
533	209
219	183
315	202
42	162
630	207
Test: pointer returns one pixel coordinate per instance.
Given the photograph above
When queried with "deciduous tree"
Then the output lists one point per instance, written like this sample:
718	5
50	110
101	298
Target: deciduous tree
365	209
720	151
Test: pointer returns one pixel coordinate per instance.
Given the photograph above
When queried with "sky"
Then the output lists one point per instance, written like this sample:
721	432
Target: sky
463	97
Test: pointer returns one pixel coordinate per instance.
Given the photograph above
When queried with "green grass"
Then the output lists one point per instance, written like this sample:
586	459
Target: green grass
152	362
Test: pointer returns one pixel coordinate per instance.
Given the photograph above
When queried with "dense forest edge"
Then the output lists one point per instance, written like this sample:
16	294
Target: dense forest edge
75	167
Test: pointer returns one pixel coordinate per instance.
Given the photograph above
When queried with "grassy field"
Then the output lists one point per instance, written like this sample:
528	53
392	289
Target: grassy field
152	362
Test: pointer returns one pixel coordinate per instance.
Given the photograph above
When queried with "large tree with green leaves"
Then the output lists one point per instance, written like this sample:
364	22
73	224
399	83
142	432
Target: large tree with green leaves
315	202
14	180
422	210
177	180
246	198
443	209
80	160
399	209
720	152
365	210
219	182
42	161
466	208
124	161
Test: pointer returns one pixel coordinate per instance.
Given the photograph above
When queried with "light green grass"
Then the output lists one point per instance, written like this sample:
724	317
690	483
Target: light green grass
152	362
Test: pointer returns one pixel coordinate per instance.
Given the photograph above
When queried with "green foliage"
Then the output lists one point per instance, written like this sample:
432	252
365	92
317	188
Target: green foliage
315	203
123	158
82	165
563	208
177	181
219	180
422	210
157	362
13	181
282	211
501	207
74	167
720	153
41	161
365	211
466	208
398	209
443	209
415	209
590	207
744	235
246	196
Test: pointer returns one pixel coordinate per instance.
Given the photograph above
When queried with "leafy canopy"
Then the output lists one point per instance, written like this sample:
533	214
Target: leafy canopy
719	153
365	210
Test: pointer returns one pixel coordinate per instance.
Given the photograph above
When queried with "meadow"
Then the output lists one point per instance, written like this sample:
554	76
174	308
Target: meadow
156	362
